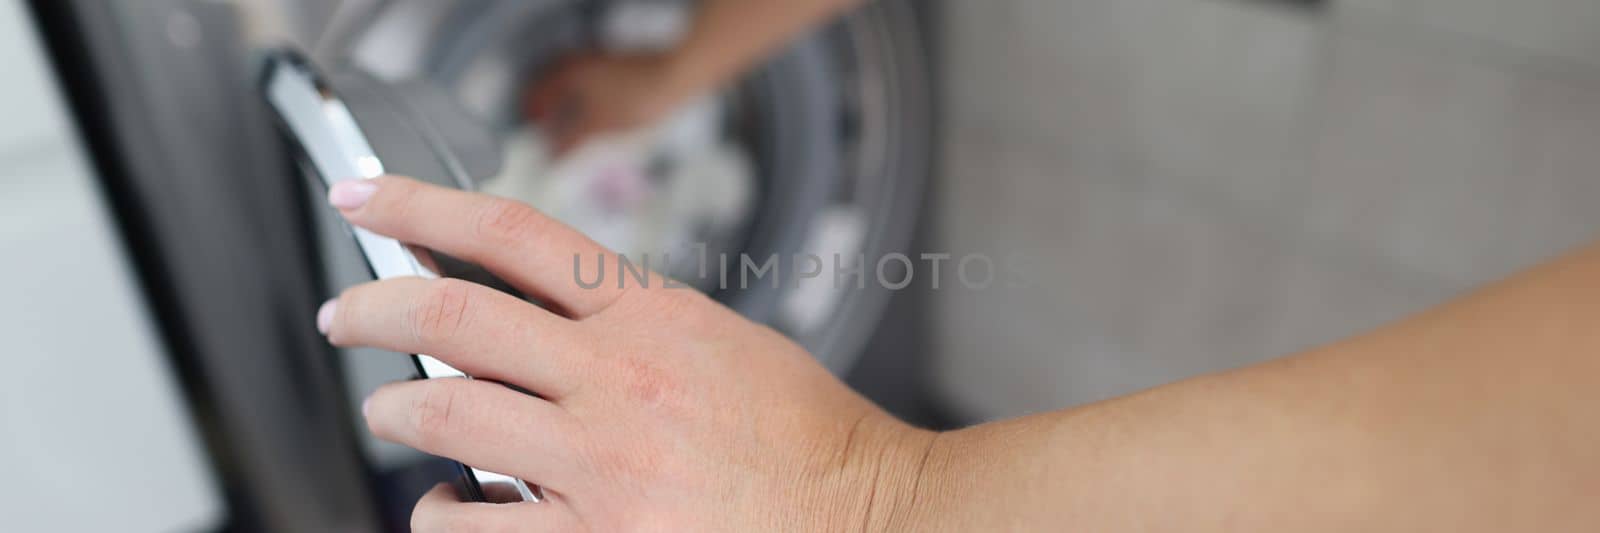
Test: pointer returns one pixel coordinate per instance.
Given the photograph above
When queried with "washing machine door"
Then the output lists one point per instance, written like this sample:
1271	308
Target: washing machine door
87	401
235	247
816	160
350	126
215	219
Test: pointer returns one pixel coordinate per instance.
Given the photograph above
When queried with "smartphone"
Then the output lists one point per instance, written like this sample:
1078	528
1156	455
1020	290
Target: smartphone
333	146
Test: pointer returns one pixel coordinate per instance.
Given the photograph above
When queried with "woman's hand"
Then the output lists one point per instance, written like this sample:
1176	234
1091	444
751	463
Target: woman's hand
595	93
592	94
658	410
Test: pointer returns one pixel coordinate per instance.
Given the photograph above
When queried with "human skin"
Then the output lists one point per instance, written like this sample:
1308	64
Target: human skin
660	410
593	93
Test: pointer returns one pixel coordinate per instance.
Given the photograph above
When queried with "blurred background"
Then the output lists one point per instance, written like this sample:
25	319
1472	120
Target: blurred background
1196	185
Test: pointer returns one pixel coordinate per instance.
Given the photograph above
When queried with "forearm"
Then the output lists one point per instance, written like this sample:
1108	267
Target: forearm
730	36
1479	416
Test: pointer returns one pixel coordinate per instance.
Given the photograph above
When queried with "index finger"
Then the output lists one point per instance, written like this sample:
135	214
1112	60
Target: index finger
534	253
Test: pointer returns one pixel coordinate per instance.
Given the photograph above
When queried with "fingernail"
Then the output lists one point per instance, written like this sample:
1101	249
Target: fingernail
325	316
351	194
366	407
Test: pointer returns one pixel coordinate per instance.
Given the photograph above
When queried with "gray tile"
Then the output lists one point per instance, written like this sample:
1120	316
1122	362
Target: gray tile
1134	289
1115	142
1206	97
1563	29
1447	164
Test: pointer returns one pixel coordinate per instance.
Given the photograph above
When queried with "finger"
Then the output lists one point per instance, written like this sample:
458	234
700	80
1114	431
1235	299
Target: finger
480	331
439	511
481	424
532	252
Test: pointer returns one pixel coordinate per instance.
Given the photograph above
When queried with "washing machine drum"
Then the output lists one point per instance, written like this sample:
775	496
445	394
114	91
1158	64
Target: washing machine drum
816	160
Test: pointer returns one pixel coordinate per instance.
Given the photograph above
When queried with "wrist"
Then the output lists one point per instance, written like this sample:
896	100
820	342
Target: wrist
895	468
905	494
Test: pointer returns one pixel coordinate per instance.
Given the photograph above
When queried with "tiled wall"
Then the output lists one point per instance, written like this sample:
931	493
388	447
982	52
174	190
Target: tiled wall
1205	183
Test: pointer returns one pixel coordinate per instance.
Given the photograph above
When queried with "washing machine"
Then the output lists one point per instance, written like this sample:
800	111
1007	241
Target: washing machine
821	152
